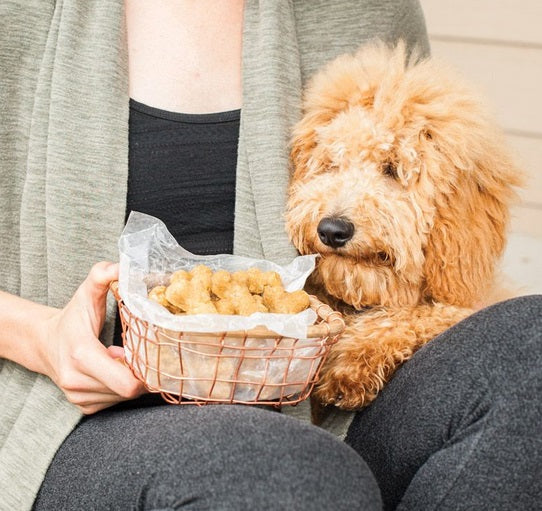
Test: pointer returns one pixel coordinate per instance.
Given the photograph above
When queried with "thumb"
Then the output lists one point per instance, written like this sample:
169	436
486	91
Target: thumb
99	278
92	293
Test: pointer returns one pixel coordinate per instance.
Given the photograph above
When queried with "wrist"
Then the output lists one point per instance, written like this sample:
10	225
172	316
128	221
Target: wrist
24	331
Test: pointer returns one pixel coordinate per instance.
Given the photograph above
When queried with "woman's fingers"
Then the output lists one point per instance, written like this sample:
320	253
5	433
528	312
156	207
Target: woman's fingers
92	293
99	365
89	402
116	352
99	381
99	278
89	356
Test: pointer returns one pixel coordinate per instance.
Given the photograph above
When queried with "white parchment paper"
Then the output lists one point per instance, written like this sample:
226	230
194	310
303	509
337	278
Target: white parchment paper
149	254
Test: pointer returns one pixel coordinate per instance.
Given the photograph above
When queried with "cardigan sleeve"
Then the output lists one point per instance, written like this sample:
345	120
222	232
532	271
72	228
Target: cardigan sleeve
409	25
325	30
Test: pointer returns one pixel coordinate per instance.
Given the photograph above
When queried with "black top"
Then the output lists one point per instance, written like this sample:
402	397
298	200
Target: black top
182	171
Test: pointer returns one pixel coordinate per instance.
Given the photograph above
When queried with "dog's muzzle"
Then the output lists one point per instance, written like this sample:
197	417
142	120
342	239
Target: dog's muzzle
335	232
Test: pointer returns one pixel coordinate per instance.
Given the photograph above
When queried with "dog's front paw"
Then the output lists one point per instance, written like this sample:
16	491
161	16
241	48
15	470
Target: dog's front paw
337	387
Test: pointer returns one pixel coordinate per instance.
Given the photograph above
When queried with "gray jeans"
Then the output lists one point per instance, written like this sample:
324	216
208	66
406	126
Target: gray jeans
214	457
458	427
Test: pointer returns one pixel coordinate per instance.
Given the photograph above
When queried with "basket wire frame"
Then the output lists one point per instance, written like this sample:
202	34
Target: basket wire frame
256	366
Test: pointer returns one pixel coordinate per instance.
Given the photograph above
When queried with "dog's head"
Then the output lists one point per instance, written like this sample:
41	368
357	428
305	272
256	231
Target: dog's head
401	181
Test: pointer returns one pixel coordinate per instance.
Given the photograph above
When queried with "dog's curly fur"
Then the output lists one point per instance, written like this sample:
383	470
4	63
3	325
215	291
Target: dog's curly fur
406	153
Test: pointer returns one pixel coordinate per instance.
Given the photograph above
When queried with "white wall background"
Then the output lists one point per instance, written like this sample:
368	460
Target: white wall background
497	45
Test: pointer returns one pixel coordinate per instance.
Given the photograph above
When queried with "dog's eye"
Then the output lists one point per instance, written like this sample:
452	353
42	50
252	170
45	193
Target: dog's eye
389	169
427	135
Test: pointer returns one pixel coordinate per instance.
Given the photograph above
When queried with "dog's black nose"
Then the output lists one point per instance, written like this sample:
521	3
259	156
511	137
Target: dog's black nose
335	232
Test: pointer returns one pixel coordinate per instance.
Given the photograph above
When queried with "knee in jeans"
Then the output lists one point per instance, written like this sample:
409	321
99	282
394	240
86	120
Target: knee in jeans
522	309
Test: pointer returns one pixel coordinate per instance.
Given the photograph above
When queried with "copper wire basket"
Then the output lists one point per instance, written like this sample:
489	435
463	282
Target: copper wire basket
255	366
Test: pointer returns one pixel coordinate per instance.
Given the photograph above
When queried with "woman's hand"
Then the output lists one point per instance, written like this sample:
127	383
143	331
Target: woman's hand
71	354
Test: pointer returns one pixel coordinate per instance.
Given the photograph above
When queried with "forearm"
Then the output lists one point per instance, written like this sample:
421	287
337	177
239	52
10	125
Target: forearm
22	330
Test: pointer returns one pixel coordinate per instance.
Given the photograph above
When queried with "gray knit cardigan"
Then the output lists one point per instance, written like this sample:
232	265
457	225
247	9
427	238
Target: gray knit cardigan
63	165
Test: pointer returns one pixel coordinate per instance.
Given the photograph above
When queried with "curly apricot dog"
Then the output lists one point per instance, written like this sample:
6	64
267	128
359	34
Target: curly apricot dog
402	183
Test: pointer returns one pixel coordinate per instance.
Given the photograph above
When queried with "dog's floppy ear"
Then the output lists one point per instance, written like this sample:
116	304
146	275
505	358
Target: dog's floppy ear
304	141
476	179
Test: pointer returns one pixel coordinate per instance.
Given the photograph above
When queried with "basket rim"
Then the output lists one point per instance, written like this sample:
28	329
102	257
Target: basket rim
331	325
